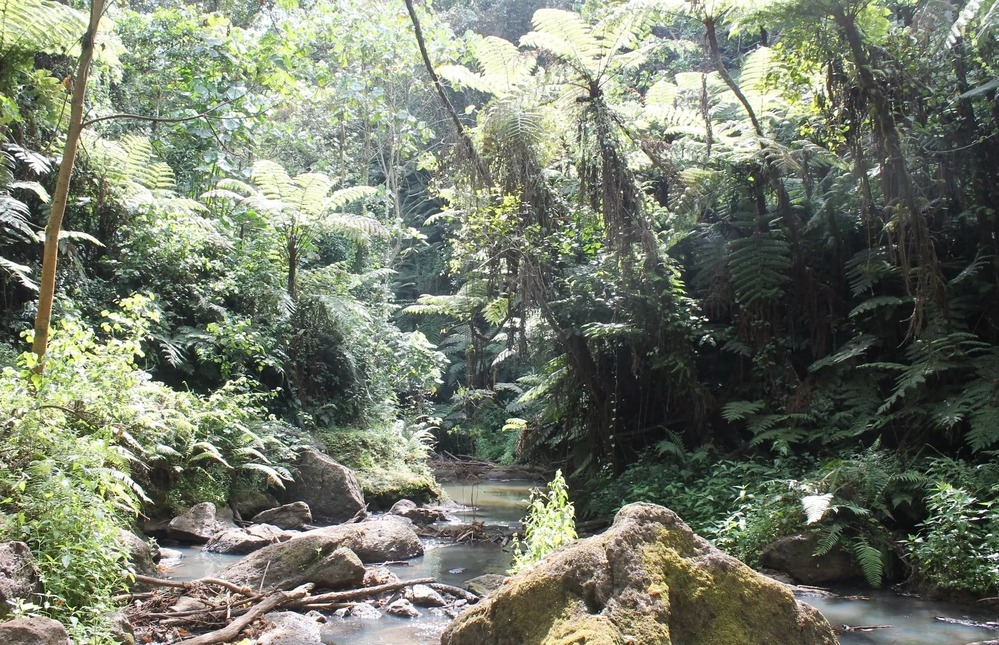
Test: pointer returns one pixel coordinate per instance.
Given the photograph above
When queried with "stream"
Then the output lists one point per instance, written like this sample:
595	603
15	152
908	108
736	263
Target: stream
914	621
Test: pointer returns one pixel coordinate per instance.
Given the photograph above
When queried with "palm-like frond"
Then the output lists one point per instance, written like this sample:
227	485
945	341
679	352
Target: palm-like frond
39	26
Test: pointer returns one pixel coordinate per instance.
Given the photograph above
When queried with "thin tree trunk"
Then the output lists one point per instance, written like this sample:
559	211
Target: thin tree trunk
50	256
480	165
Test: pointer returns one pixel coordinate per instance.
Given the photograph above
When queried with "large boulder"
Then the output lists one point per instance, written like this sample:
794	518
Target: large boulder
197	525
33	631
243	541
795	556
309	558
417	514
387	538
330	490
19	577
289	516
141	558
648	580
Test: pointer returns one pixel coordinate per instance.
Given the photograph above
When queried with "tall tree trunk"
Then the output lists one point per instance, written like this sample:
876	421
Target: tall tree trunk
50	256
915	244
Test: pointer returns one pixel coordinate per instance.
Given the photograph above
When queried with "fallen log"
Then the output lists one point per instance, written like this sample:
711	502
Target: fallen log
276	600
320	601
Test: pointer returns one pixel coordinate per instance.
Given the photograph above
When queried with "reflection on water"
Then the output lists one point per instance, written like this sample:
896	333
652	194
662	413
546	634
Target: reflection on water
195	563
490	502
913	621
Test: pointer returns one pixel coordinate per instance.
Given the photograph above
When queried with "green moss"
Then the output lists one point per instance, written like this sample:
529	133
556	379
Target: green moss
728	604
388	465
575	627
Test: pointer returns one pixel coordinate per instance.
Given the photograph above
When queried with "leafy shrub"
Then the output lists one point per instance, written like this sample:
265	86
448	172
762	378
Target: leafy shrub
549	524
956	546
77	432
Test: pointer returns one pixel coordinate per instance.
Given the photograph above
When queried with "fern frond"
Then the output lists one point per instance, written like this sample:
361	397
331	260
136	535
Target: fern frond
870	559
740	410
40	26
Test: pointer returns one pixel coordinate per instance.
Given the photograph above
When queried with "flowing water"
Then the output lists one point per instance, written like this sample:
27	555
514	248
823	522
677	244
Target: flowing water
913	621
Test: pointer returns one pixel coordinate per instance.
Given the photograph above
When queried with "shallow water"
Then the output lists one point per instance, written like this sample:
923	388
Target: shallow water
913	621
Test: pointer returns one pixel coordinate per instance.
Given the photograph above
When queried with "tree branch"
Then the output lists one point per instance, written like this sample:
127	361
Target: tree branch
156	119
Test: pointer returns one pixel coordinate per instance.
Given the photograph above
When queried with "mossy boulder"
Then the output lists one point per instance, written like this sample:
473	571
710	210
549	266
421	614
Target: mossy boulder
647	580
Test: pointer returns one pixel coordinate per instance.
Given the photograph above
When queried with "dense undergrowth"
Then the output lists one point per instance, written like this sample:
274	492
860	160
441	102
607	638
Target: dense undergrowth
929	522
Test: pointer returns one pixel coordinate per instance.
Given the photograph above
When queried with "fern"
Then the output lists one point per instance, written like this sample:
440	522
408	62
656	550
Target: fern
740	410
39	26
759	266
870	559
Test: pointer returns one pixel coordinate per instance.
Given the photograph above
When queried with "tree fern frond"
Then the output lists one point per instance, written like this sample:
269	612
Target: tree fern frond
564	34
351	194
40	26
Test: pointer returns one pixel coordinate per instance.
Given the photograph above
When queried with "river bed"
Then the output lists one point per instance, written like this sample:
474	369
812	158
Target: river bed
914	621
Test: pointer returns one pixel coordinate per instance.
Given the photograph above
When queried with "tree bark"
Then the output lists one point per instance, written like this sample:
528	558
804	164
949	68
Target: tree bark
50	256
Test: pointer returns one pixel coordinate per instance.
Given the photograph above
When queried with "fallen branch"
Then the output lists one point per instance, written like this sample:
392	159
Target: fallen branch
194	584
863	628
464	594
232	630
356	594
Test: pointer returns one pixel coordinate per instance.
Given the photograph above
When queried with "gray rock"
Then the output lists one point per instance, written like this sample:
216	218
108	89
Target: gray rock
402	608
308	558
647	580
794	555
290	516
121	628
140	553
331	490
290	628
235	541
250	502
248	540
197	525
424	596
381	540
485	584
33	631
417	514
379	576
19	577
364	611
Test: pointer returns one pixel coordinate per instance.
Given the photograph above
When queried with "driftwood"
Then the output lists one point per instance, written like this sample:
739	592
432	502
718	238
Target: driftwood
862	628
274	601
464	594
194	584
322	601
230	609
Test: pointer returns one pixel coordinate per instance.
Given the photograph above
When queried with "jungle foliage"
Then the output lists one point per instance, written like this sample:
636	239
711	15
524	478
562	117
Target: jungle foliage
739	258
